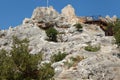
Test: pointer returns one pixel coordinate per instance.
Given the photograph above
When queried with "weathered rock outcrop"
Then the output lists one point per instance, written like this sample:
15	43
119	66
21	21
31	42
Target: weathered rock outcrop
69	13
109	19
98	65
43	13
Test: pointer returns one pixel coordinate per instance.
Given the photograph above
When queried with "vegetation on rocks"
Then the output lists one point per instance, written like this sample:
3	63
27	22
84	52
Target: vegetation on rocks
92	48
52	34
110	25
58	57
117	32
116	26
117	37
19	64
78	26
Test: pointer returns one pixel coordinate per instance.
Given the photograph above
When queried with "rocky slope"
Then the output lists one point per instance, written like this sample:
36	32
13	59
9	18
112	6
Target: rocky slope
100	65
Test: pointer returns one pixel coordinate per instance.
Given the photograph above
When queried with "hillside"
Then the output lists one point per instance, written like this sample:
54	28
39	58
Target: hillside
99	62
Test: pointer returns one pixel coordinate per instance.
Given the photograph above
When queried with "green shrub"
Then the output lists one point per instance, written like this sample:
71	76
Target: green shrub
116	29
19	64
116	26
6	66
117	37
46	72
52	34
108	27
58	57
92	48
78	26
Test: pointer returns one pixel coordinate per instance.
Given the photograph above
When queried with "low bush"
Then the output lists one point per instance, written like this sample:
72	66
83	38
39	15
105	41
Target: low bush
92	48
52	34
58	57
78	26
116	29
117	37
116	26
46	72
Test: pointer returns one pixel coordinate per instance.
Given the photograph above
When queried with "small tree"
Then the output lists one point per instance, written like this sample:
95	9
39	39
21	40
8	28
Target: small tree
52	34
19	64
25	62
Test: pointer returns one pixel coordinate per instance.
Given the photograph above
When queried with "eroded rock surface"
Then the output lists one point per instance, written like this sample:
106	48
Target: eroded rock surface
100	65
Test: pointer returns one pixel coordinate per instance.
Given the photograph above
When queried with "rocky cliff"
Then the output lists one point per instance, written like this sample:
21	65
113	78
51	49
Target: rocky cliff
100	65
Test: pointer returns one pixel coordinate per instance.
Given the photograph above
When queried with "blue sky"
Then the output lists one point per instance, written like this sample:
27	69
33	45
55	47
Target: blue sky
12	12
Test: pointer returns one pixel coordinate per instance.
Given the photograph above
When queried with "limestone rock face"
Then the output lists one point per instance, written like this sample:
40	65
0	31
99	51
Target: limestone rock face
111	19
98	67
45	13
27	21
92	69
94	65
49	14
69	13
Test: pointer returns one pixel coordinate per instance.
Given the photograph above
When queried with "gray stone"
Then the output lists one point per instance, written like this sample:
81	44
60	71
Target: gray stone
95	66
